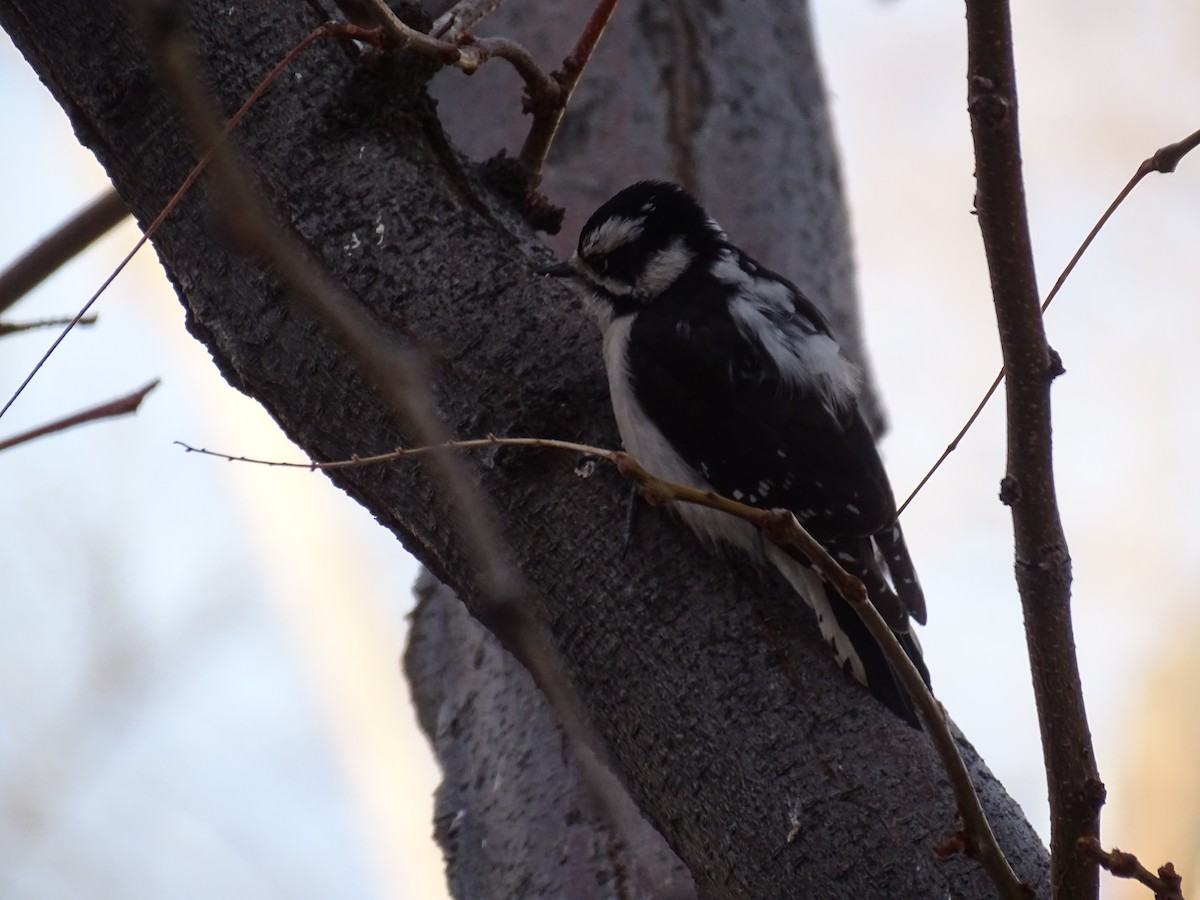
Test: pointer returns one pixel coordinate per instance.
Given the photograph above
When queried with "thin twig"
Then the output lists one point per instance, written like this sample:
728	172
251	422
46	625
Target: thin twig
781	526
17	327
548	95
64	243
1167	884
1163	160
1042	559
122	406
543	89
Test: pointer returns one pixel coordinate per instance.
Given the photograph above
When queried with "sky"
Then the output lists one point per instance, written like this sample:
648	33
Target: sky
199	683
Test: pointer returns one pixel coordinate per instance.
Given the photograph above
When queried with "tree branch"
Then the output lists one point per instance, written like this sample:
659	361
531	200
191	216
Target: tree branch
64	243
1043	564
122	406
7	328
547	120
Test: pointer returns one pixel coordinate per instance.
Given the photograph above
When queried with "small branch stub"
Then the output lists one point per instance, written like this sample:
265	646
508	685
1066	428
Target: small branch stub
1010	490
985	103
1167	884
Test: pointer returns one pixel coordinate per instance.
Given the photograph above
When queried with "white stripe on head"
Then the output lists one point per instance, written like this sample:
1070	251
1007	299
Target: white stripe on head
593	279
662	268
611	234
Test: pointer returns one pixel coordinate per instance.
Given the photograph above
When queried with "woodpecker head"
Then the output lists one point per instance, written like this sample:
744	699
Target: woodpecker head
638	243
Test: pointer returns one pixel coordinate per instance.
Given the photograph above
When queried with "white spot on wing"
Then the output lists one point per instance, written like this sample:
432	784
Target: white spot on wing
808	585
765	311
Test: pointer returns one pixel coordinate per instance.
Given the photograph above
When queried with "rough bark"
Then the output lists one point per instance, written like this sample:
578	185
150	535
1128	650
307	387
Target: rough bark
730	723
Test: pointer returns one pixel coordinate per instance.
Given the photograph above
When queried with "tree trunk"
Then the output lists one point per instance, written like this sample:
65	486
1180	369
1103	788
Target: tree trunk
767	771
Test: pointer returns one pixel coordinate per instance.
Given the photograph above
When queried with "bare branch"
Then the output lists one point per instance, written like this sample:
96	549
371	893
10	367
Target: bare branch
548	94
404	37
18	327
122	406
466	54
64	243
1043	563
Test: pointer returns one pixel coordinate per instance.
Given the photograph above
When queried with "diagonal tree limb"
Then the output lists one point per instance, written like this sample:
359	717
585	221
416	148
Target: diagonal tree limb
64	243
122	406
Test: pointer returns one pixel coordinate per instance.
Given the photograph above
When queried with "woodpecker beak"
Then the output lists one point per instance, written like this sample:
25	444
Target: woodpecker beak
560	270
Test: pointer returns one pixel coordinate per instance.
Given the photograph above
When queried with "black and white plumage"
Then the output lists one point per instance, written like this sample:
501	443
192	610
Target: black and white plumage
724	376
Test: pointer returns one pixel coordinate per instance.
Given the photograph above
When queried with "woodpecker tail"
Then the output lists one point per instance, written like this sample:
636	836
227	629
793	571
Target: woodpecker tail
855	649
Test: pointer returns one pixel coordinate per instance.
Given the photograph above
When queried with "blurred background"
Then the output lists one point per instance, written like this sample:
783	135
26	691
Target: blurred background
200	692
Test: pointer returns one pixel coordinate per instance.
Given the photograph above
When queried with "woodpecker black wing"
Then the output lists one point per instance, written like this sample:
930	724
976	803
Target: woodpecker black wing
754	433
764	434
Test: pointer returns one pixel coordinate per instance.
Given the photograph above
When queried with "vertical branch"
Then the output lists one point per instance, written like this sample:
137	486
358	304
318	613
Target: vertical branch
1043	564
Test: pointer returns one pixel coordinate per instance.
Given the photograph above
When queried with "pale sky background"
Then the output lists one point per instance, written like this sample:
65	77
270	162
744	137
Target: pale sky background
199	686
